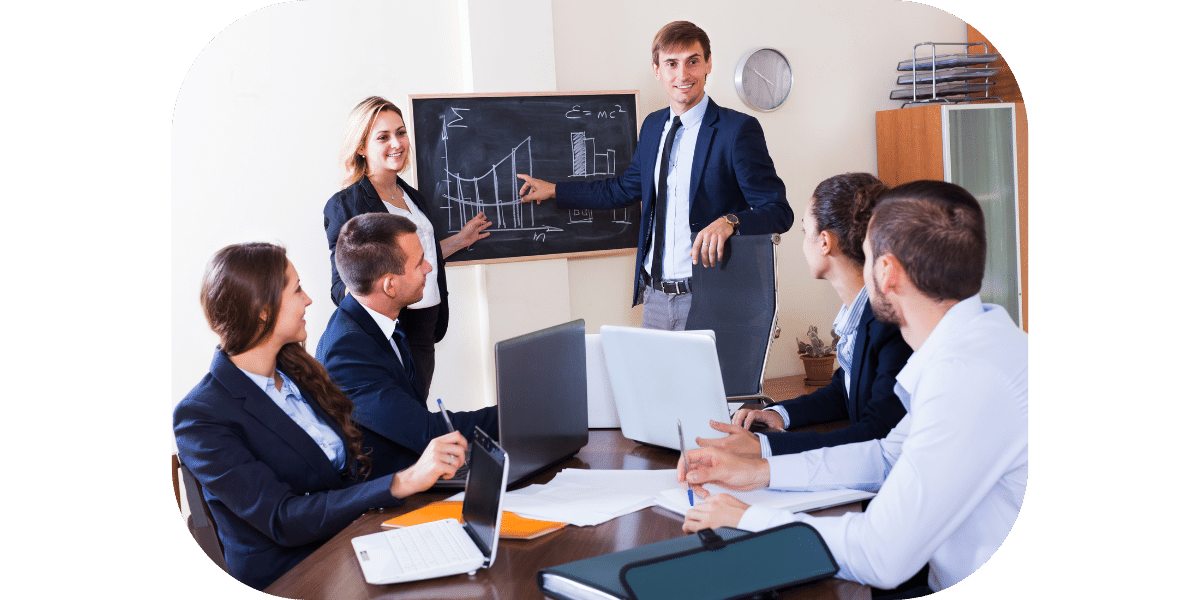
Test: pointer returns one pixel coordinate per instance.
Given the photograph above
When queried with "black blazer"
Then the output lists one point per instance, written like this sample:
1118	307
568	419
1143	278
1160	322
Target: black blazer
273	493
872	406
361	198
394	419
732	173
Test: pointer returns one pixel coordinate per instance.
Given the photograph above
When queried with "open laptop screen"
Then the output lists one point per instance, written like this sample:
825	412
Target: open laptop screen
485	487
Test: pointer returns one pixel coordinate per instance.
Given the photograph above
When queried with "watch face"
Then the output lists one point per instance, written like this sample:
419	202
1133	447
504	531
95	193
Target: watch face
763	79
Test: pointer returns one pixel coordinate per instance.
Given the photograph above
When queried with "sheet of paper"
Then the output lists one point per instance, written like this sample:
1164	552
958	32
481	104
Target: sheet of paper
585	497
675	499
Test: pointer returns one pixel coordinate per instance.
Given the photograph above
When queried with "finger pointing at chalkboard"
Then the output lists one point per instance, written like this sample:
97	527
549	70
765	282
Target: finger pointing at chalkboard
535	190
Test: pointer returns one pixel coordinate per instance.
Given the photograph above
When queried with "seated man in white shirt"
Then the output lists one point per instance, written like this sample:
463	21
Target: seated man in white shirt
951	475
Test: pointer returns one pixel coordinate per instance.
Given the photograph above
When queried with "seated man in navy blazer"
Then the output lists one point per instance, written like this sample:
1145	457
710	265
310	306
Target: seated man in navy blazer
707	166
379	256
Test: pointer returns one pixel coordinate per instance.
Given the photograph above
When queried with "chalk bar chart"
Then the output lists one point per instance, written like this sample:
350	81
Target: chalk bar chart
470	148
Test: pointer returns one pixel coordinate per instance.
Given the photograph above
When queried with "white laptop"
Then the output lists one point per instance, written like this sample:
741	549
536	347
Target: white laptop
444	547
662	378
601	407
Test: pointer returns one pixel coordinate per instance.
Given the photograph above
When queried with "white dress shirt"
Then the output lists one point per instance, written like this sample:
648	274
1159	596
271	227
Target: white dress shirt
432	295
950	476
293	404
677	246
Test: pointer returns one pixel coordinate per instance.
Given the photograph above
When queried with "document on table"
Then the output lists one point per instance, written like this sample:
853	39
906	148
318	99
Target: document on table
675	498
584	497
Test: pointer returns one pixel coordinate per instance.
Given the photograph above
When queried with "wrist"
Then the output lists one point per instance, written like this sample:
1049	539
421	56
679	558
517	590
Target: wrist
398	488
763	473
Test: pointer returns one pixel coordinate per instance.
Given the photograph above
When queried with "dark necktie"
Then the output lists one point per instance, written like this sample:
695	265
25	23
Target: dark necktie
405	355
660	203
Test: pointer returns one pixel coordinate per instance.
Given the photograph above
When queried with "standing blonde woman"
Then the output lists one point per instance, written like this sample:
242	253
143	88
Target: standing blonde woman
375	150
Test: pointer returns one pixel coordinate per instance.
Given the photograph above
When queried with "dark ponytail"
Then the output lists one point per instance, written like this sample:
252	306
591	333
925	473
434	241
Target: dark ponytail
842	205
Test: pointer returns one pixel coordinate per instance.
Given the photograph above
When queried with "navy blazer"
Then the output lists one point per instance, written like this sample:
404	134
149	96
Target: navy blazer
393	417
361	198
273	493
872	406
732	173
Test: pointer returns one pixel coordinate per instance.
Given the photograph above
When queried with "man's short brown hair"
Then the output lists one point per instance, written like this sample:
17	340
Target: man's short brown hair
935	230
367	249
679	34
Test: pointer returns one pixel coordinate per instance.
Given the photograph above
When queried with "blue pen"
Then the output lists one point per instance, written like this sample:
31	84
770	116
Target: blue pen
683	454
446	416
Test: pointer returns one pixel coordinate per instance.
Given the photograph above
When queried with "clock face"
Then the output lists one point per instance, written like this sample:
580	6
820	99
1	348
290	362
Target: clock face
763	79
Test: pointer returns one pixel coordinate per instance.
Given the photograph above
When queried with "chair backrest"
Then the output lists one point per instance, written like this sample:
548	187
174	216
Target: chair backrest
200	522
737	299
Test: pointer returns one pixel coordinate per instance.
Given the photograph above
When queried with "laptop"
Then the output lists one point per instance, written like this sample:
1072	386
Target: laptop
602	408
541	400
444	547
663	378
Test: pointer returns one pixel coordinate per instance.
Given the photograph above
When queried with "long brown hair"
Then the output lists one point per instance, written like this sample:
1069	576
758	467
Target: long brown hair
244	283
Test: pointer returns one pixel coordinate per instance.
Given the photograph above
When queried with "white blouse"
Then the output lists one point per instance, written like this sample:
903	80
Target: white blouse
432	295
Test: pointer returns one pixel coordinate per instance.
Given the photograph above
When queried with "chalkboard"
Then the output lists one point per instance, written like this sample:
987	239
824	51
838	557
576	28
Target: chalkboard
469	149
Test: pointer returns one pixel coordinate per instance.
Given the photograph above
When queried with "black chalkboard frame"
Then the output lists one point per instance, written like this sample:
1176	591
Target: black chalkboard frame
586	105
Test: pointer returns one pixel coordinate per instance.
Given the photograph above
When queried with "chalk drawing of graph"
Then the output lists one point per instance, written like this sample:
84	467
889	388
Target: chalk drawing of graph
587	162
494	192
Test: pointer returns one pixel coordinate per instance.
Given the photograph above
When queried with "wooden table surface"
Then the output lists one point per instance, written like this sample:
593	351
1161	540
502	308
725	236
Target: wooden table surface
332	571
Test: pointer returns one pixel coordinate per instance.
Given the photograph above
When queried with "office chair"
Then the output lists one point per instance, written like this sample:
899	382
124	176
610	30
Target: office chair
200	523
737	299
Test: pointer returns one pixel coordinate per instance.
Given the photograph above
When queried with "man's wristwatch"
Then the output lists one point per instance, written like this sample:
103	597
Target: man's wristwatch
732	220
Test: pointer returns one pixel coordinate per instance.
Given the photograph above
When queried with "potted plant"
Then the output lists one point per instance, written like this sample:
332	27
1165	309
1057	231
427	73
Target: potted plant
819	360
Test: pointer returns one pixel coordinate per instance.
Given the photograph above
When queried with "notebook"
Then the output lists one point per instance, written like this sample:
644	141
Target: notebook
444	547
541	400
663	378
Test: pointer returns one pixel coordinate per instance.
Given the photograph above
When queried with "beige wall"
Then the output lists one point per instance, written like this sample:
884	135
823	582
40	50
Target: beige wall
259	116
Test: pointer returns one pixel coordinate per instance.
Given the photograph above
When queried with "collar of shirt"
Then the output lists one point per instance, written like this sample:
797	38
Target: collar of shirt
846	323
267	384
386	325
943	333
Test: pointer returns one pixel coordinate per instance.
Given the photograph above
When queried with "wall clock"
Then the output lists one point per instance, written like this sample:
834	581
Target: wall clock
763	79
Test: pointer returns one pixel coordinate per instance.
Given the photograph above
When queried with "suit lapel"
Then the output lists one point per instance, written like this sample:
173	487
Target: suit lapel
704	138
371	200
861	339
650	158
359	315
257	404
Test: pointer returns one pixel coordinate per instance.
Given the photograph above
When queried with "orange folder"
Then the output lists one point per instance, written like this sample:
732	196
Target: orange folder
512	526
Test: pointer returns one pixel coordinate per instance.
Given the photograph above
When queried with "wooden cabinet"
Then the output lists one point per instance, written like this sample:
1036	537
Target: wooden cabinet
984	148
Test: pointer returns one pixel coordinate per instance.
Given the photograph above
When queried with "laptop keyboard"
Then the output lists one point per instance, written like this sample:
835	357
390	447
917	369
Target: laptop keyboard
433	549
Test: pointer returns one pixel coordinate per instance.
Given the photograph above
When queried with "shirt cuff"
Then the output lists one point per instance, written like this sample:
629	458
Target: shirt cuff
783	413
759	517
765	445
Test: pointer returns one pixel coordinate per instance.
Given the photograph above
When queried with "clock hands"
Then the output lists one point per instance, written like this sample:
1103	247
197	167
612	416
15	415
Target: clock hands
764	78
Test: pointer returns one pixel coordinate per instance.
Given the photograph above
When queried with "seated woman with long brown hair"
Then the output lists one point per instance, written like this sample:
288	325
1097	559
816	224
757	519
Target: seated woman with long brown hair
268	435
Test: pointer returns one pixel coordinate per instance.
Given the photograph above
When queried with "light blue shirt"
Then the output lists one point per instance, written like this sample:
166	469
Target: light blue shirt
677	246
293	404
950	476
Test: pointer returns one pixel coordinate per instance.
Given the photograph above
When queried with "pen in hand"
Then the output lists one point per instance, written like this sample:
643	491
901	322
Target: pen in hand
683	456
446	416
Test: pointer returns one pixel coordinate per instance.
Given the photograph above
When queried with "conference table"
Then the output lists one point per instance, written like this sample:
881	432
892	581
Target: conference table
332	571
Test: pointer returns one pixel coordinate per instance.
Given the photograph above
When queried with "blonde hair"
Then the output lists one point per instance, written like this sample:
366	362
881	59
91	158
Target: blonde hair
354	140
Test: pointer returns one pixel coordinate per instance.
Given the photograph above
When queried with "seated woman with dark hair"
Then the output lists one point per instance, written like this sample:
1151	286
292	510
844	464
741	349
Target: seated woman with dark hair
267	433
870	353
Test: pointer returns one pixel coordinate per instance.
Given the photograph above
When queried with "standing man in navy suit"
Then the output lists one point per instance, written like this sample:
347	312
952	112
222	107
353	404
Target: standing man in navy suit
714	178
379	257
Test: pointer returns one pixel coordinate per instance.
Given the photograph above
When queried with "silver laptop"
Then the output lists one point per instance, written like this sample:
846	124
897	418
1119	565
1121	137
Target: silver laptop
541	400
663	378
444	547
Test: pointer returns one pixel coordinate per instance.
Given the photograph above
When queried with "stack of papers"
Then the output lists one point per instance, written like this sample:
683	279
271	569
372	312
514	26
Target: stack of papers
584	497
675	499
